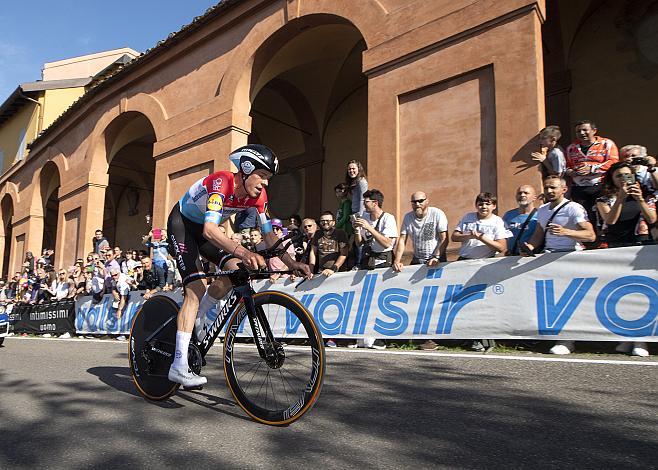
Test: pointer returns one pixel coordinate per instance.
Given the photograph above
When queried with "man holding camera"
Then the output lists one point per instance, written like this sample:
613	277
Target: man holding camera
376	230
427	227
644	166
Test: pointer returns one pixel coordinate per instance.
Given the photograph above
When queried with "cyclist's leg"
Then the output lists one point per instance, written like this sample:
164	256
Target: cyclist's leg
221	285
183	237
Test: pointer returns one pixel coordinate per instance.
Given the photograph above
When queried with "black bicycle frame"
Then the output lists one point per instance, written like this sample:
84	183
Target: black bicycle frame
238	293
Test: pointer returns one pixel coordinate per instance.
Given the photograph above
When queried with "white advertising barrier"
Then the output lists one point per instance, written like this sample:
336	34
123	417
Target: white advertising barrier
602	295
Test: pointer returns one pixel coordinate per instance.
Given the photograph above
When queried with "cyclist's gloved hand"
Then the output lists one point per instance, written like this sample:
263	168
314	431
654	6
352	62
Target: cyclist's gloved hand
253	261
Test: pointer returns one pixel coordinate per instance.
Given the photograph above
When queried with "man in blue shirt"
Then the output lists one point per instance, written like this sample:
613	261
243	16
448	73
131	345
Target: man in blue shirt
516	220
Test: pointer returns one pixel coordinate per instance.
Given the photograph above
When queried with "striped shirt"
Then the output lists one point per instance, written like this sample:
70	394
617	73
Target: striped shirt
599	157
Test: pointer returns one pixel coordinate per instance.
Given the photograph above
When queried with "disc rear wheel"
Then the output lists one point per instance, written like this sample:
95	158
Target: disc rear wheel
151	355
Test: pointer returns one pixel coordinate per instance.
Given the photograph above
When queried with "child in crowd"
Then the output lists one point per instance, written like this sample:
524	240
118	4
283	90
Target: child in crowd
344	209
551	155
481	233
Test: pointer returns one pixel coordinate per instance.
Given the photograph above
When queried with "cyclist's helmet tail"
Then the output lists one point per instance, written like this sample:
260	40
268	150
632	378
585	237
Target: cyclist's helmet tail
254	157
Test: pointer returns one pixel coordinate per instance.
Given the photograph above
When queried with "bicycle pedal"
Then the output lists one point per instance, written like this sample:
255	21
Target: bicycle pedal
191	389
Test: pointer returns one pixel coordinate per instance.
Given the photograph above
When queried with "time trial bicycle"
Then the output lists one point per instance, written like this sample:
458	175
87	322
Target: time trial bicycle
274	358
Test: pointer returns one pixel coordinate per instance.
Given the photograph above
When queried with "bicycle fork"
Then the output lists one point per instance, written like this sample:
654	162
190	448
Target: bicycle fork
270	350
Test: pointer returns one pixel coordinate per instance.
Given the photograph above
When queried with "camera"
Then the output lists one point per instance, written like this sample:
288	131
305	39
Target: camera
353	217
640	161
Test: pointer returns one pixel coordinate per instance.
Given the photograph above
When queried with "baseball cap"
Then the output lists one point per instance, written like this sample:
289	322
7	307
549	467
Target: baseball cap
276	223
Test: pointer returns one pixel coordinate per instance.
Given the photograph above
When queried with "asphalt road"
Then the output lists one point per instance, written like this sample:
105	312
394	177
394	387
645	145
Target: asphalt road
71	404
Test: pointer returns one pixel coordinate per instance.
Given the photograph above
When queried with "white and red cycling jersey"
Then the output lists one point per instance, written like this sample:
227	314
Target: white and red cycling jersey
213	199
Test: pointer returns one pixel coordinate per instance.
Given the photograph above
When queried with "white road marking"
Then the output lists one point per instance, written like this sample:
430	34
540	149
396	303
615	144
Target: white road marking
627	362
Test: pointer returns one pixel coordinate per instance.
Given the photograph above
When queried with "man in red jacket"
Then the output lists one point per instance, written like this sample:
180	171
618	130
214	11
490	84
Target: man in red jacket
588	158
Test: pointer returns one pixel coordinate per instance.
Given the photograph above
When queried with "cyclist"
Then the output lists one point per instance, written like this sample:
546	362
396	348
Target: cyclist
193	230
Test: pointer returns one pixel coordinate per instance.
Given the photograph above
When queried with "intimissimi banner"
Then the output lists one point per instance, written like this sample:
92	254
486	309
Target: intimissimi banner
53	317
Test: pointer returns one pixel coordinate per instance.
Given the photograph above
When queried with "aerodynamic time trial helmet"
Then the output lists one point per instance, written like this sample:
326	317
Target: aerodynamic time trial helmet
254	157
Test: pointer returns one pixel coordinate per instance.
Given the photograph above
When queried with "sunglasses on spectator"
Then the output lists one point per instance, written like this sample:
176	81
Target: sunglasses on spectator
308	226
418	201
277	228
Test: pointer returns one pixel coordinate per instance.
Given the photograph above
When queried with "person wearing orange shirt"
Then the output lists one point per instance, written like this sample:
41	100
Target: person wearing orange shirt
588	158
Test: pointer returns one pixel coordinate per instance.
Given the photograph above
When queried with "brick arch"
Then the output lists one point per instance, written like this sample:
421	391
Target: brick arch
236	84
61	162
142	103
152	108
11	189
37	202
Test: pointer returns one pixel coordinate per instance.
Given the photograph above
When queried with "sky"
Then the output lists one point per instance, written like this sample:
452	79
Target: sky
41	31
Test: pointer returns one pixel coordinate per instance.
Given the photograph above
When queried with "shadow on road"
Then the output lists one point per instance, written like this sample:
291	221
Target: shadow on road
373	411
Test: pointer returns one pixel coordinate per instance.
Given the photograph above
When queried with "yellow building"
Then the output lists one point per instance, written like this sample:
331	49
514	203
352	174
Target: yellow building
34	106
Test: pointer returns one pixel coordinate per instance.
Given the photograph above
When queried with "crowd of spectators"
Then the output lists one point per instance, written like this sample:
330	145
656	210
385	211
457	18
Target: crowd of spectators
593	196
106	270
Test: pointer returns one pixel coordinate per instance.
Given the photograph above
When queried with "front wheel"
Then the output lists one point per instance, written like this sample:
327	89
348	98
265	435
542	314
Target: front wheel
279	388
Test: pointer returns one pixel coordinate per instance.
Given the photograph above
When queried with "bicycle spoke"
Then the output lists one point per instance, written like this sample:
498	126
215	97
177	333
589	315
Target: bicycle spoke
288	358
254	365
254	376
284	380
302	380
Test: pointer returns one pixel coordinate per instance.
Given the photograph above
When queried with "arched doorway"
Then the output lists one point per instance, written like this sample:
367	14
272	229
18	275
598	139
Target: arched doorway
49	184
623	100
619	34
309	104
131	169
7	212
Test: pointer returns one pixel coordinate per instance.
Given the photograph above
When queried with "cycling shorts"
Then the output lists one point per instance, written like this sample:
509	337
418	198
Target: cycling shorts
186	244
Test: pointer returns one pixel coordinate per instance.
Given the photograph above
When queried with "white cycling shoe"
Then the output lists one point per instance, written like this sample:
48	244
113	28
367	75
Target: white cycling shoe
186	377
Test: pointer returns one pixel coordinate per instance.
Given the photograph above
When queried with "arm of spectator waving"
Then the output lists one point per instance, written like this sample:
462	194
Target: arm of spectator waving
399	251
